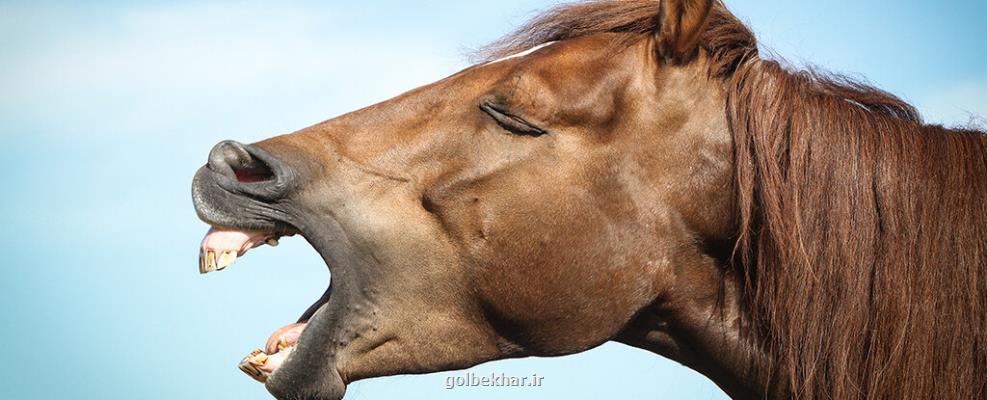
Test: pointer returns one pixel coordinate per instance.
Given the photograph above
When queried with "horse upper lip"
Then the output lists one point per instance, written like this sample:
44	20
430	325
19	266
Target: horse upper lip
221	201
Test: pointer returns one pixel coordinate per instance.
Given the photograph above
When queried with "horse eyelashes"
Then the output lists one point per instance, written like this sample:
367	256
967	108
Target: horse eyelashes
510	122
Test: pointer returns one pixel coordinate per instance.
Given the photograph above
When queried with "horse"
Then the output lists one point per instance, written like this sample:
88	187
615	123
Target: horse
630	171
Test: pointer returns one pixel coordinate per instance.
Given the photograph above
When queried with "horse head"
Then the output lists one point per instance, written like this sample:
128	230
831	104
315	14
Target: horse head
579	187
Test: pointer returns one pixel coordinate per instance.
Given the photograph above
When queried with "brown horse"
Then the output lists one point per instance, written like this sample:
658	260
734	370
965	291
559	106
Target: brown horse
640	174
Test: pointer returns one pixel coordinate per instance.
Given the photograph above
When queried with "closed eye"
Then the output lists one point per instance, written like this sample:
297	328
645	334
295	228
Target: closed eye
512	123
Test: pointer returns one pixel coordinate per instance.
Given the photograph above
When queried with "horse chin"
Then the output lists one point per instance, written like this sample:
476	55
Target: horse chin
331	389
298	371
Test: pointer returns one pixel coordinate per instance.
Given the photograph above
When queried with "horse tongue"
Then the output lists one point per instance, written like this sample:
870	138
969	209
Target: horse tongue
284	337
221	247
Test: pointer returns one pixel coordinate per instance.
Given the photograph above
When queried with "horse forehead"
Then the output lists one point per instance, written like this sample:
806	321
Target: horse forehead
522	54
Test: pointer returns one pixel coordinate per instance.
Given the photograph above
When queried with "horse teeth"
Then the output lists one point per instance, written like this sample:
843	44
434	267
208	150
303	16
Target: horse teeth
202	263
225	260
245	366
210	261
256	358
259	359
272	242
249	365
282	343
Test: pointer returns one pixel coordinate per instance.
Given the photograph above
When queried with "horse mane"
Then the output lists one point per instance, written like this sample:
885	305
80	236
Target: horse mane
863	238
861	233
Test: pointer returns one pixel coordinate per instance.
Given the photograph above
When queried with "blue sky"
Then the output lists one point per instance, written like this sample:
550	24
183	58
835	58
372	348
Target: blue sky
107	109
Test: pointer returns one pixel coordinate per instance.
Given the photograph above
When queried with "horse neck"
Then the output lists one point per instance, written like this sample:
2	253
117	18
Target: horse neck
703	325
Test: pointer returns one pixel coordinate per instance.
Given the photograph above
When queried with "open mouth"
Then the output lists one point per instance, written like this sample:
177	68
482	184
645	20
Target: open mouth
245	194
220	248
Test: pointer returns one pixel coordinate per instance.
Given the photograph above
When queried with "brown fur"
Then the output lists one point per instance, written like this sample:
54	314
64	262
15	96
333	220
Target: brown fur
861	234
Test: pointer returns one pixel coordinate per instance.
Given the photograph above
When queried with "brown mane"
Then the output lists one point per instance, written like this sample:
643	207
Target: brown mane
862	233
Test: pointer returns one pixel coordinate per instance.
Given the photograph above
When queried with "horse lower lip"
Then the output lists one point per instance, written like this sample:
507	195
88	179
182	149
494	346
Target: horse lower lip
261	363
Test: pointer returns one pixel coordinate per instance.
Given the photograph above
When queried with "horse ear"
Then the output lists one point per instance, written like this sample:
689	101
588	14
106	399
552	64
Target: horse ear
680	24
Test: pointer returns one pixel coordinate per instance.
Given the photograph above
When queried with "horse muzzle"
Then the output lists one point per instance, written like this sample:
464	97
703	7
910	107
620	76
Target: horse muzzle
242	187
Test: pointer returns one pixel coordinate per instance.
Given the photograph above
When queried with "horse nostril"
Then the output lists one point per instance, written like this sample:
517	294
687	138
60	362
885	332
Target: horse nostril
232	159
